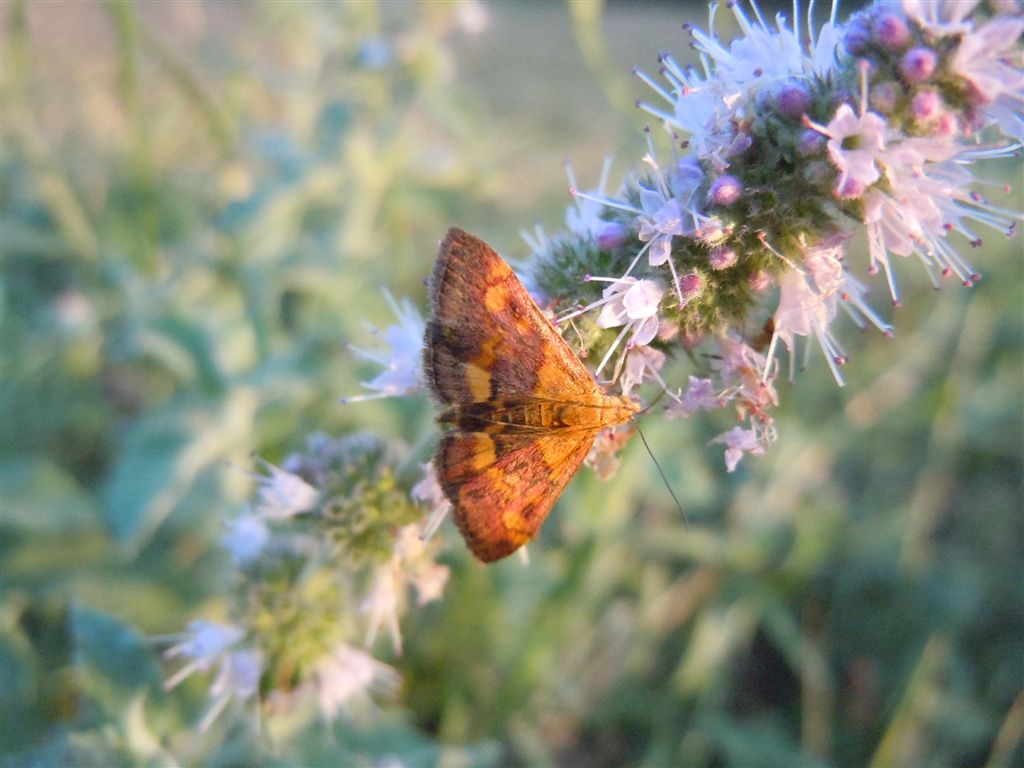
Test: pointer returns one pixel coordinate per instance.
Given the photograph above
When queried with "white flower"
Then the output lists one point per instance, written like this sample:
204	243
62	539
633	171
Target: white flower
634	304
403	367
941	18
428	492
1008	113
661	220
245	538
238	679
804	311
603	456
410	565
739	441
857	168
421	572
642	363
746	377
348	675
700	395
928	197
984	58
282	495
203	644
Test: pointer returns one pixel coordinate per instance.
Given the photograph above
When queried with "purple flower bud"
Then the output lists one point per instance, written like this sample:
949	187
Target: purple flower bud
792	100
857	36
722	257
918	64
725	190
947	125
810	142
884	97
926	106
760	281
891	31
691	284
612	235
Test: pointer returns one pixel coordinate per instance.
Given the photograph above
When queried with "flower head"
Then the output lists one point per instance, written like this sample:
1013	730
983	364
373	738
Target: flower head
604	453
989	58
403	373
700	395
642	363
429	493
283	494
238	679
940	18
634	304
203	644
739	441
347	676
854	143
410	565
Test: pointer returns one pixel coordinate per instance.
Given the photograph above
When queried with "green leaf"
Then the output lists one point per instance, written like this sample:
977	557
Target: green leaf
163	455
39	497
118	653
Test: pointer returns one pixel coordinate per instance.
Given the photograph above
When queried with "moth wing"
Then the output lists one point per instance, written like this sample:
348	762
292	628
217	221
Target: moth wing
488	337
502	486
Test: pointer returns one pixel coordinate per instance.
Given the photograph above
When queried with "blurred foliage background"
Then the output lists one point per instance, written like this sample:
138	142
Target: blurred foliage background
199	203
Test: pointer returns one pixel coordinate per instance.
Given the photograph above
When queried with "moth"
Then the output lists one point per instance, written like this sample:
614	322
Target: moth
521	410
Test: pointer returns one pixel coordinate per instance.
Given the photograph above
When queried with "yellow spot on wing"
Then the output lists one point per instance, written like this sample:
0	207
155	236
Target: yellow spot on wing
479	381
478	370
483	451
496	297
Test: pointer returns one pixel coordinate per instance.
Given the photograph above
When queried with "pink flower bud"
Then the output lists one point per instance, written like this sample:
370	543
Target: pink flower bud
760	281
612	235
918	64
725	190
792	100
857	36
691	284
891	31
722	257
926	106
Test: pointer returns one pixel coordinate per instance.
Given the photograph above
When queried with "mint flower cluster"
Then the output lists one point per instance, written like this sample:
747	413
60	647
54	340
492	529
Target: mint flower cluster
328	558
782	145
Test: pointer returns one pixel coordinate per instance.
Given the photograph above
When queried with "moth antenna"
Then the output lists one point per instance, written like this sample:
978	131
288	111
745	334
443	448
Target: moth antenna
686	523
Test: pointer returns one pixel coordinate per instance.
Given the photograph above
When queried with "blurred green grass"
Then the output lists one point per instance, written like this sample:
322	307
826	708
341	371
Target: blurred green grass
198	205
